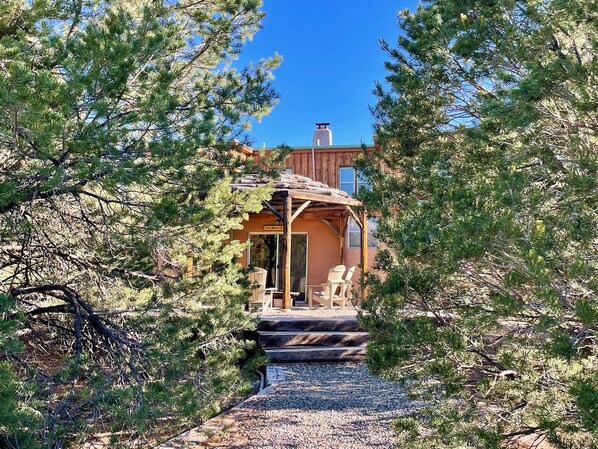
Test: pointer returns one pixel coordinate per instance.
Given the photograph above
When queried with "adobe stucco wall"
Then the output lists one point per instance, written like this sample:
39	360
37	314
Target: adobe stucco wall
323	246
353	257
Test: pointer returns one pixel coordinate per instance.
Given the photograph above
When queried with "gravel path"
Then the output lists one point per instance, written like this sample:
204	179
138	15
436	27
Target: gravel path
321	406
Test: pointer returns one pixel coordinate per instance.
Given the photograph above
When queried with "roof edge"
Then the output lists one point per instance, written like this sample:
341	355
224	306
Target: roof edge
321	147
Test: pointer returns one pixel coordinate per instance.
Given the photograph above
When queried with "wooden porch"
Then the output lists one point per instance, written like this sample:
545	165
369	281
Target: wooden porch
298	196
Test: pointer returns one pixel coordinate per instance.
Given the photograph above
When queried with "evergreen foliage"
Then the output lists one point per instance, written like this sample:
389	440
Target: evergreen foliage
487	196
121	308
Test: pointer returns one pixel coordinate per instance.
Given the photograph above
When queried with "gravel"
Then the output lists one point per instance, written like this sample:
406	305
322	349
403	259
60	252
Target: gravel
304	312
321	406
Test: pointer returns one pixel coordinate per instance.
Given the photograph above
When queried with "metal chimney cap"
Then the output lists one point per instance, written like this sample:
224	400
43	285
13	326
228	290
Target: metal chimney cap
323	125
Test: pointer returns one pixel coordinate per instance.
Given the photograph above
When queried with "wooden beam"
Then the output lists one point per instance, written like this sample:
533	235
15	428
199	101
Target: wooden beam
320	217
286	253
321	198
336	231
364	251
331	208
355	216
273	210
299	210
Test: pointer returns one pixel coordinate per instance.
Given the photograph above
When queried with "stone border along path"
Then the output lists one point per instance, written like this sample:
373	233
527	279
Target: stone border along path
317	406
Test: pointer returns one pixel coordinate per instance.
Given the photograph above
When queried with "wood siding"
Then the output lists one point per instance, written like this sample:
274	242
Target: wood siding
327	162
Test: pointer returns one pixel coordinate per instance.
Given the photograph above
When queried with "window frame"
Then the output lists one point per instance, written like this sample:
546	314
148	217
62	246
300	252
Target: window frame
351	183
357	181
354	229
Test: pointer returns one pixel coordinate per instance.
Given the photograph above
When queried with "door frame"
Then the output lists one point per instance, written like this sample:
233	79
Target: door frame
249	234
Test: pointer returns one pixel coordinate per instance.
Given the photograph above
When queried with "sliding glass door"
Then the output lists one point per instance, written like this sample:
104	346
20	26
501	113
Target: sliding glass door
298	264
264	252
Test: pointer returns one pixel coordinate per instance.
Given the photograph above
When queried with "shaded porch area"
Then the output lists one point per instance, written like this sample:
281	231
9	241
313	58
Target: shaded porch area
300	235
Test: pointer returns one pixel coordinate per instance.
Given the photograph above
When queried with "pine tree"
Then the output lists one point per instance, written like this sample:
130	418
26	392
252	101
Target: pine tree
488	207
121	305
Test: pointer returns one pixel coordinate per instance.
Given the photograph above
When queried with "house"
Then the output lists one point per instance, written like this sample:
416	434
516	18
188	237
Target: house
313	212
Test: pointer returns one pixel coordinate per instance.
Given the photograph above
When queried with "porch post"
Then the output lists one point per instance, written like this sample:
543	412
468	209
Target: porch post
364	249
286	253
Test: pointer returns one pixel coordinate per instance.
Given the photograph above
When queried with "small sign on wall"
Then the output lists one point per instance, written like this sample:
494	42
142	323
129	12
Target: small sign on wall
273	227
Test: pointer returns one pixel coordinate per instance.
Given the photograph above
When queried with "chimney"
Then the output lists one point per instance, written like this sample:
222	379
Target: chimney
322	135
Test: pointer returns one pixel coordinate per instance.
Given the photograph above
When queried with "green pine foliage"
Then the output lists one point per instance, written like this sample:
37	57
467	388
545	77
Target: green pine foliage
19	419
121	306
486	190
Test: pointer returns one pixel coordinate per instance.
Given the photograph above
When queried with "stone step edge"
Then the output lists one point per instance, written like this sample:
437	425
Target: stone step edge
203	434
274	377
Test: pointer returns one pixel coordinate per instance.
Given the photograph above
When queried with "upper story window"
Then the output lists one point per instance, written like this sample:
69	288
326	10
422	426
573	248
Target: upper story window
351	181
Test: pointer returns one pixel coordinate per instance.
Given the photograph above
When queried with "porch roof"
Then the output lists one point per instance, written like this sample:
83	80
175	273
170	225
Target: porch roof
325	201
297	187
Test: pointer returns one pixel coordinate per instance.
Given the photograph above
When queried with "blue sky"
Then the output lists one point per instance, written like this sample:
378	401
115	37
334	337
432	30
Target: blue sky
331	58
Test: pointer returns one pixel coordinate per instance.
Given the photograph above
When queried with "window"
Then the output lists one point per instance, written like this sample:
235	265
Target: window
351	181
362	182
288	171
354	233
347	179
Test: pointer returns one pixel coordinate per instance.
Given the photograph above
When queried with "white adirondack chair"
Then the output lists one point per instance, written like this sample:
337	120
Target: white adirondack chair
349	283
260	295
333	291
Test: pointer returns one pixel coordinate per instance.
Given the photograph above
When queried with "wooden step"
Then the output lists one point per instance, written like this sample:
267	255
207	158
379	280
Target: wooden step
316	354
309	324
273	339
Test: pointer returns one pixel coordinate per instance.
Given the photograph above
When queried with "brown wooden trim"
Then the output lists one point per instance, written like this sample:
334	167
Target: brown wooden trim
364	250
339	209
355	216
273	210
305	215
331	226
317	216
302	195
280	194
325	164
299	210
